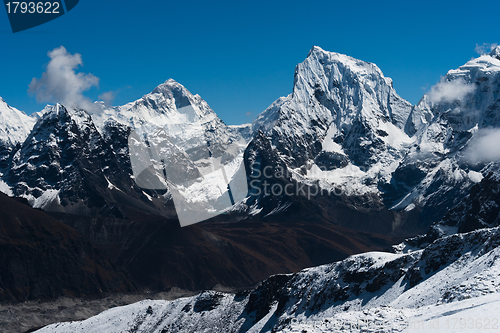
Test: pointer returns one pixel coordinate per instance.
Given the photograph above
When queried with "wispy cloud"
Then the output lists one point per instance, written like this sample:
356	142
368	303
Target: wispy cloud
449	91
485	48
108	97
61	84
484	147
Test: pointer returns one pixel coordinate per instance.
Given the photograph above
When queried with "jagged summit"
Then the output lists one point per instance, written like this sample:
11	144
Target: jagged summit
69	118
172	89
339	104
168	85
15	125
315	49
495	52
169	104
326	58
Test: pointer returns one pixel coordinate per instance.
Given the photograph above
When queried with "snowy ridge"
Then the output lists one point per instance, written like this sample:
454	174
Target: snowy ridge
15	125
36	170
390	291
185	117
465	106
337	101
344	128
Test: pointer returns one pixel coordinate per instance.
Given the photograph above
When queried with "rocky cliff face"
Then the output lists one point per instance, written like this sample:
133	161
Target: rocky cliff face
345	130
15	126
339	105
479	210
66	165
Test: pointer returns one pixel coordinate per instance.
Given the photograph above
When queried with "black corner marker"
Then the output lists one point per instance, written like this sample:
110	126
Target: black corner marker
70	4
28	14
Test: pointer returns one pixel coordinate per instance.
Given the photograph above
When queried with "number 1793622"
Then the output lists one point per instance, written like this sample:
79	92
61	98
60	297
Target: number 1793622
32	7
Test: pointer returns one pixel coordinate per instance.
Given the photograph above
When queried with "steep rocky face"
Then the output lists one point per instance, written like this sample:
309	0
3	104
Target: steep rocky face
66	165
276	193
339	104
41	258
480	209
447	158
15	126
345	130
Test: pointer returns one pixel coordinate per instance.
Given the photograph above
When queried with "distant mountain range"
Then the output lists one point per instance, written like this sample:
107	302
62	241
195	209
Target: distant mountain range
342	165
343	130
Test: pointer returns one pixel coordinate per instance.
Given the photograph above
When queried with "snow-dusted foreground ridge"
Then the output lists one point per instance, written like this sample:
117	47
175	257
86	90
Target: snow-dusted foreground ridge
455	277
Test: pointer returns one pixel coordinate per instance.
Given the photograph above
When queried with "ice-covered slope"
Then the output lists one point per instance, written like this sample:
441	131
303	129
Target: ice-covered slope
451	153
15	125
391	291
187	118
344	129
341	108
66	165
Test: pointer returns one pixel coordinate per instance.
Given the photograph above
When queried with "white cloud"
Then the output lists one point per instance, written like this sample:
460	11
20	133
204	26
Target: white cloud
108	97
485	48
61	84
484	147
449	91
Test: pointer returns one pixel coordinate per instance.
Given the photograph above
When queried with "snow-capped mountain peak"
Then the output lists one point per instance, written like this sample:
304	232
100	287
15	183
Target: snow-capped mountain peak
345	126
38	115
340	74
184	117
342	115
495	52
169	103
15	125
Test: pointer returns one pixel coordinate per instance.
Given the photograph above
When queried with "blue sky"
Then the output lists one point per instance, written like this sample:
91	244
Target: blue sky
241	56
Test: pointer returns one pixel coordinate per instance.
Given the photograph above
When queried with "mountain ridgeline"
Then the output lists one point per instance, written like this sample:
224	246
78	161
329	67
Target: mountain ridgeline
331	168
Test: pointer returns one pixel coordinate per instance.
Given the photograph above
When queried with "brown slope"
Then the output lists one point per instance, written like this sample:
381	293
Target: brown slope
41	257
159	254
